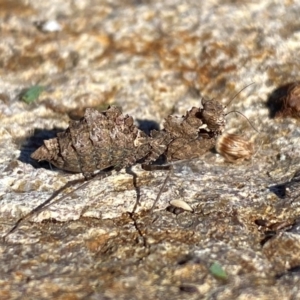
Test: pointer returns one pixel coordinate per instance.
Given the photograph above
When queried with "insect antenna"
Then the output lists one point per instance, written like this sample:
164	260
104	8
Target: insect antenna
238	94
238	112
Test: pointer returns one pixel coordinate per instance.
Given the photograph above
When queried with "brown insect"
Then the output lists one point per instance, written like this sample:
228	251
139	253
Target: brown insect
109	139
101	140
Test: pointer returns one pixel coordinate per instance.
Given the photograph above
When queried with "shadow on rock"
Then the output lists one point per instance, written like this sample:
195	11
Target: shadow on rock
289	190
33	143
275	102
147	125
279	190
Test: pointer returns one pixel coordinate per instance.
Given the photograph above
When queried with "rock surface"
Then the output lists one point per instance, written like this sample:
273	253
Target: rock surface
152	59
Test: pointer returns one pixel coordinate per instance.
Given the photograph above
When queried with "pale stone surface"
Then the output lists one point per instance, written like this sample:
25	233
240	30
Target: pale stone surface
153	59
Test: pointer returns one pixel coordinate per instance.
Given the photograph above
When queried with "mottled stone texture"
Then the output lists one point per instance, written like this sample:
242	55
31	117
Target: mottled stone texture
153	59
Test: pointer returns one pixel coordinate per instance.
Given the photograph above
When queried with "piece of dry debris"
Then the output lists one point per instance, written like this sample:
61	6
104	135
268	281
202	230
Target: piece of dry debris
234	147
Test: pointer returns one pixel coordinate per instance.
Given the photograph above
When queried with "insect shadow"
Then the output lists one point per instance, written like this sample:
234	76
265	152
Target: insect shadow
279	190
32	143
289	189
147	125
294	271
275	102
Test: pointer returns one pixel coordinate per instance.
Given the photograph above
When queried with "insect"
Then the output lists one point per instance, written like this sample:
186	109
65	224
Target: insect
101	140
109	140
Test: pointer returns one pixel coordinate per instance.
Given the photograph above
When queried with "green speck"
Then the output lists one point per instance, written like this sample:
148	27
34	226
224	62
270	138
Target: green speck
32	94
217	271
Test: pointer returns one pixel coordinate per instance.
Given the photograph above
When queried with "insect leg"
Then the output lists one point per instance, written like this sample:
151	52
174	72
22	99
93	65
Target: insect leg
158	167
43	206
